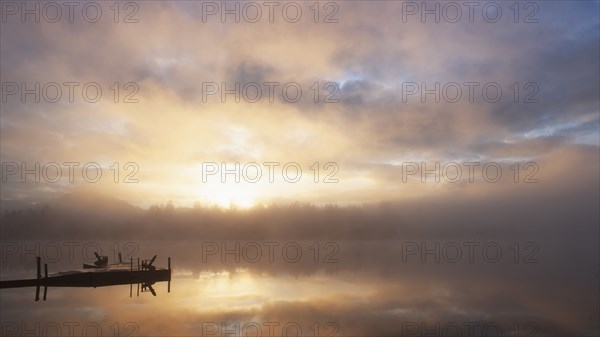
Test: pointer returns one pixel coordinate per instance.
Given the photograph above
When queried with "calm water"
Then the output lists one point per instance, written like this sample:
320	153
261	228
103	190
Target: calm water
314	288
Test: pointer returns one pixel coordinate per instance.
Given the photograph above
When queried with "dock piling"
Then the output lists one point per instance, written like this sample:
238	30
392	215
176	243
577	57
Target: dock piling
39	271
169	267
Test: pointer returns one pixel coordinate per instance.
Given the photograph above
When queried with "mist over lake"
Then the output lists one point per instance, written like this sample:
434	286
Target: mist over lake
299	168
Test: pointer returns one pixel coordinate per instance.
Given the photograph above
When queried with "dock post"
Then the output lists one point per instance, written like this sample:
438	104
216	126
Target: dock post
39	267
169	266
132	263
138	263
45	270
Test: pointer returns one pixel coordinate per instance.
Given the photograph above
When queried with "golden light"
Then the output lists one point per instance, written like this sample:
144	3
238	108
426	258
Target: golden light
226	196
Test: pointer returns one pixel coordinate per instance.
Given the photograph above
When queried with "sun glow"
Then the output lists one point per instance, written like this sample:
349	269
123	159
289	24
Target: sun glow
229	195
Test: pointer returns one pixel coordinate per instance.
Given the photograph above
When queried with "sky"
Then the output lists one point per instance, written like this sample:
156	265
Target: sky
171	129
361	130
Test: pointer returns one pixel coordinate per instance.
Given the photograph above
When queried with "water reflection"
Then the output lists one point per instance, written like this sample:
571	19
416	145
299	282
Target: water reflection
369	292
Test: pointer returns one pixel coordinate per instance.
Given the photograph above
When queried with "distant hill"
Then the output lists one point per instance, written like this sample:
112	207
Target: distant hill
15	205
80	201
80	214
94	203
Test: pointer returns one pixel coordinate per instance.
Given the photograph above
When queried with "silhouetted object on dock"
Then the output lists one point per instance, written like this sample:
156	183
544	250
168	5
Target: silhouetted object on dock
100	274
101	261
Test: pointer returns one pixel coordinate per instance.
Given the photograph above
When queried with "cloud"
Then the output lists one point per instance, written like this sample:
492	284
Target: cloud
369	62
171	127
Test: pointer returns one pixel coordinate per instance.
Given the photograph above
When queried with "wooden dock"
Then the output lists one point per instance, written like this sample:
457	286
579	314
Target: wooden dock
117	274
